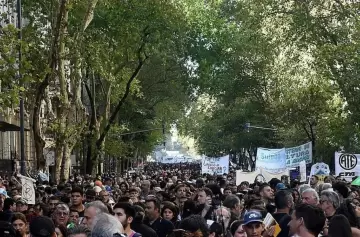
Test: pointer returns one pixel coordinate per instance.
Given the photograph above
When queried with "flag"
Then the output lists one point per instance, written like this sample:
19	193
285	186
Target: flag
356	182
28	190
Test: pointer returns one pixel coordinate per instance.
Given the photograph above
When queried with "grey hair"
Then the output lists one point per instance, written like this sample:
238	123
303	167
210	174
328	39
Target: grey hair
324	186
231	201
332	197
81	229
105	225
313	191
62	206
303	187
99	207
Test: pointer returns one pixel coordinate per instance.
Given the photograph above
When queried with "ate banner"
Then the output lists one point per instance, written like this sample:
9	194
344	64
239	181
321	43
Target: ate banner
347	165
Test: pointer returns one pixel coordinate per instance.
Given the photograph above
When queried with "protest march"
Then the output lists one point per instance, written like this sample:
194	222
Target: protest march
208	197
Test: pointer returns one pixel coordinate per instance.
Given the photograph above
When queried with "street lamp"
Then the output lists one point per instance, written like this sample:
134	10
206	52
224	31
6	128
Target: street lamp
22	128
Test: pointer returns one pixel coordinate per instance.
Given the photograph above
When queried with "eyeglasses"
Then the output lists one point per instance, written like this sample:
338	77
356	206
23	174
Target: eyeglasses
59	213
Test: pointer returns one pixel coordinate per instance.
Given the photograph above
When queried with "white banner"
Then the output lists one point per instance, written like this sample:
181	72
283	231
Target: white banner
250	176
294	155
302	171
271	159
28	190
218	166
347	165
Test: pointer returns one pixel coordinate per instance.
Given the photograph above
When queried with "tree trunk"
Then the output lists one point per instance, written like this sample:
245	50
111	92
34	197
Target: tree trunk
39	143
90	138
59	151
40	90
142	57
67	162
104	119
64	106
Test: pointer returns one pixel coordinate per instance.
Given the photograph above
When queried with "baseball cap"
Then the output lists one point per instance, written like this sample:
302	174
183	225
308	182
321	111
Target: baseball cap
252	216
21	202
280	186
42	226
3	192
97	189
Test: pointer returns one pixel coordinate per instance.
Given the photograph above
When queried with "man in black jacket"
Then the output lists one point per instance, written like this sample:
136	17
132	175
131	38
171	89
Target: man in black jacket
284	202
161	226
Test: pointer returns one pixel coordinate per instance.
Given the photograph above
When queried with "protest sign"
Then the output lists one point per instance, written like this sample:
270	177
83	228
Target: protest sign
218	166
294	155
271	159
347	165
321	170
302	171
28	190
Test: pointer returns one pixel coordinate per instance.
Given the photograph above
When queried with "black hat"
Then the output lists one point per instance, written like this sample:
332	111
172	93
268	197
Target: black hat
42	226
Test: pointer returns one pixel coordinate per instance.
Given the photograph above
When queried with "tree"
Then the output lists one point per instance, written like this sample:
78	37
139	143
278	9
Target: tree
281	59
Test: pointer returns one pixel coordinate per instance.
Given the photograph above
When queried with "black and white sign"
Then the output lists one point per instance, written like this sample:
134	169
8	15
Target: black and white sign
347	165
28	190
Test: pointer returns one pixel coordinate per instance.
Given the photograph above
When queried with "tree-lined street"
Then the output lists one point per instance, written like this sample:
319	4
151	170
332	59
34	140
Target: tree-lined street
93	70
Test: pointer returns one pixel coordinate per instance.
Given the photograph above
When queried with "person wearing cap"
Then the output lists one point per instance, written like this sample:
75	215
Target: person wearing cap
97	190
280	186
42	226
3	194
253	224
21	206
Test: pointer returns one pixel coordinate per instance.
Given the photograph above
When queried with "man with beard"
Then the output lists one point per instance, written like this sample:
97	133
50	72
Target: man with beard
125	213
180	197
266	193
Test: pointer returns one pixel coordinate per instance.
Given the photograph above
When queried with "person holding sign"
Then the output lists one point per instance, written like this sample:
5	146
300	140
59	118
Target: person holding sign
254	225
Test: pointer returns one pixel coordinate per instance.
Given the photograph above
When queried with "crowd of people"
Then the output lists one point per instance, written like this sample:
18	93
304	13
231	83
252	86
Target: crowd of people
177	201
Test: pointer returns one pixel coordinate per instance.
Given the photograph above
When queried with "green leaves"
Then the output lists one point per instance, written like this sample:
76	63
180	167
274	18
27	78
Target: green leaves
288	65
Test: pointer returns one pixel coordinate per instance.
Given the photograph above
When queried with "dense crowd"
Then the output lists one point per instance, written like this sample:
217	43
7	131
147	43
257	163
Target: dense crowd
177	201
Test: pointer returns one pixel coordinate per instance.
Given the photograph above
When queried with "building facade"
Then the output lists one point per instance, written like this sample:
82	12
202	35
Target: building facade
9	117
